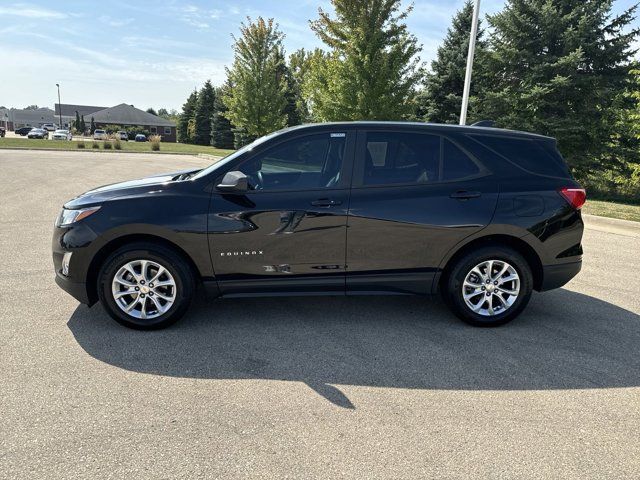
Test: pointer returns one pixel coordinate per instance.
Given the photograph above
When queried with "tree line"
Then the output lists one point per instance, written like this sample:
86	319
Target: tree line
563	68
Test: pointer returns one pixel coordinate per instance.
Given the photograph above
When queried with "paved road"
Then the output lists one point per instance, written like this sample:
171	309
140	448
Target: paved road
306	387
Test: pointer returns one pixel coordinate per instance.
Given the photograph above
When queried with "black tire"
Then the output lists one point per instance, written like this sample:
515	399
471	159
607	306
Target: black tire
452	284
173	262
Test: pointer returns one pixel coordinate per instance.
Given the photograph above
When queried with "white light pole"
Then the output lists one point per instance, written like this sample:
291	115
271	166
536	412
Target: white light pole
472	51
59	105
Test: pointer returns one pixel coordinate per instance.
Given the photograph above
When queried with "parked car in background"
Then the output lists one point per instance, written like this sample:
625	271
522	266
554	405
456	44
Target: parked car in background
123	135
23	131
99	134
482	215
49	127
3	131
141	138
62	135
38	133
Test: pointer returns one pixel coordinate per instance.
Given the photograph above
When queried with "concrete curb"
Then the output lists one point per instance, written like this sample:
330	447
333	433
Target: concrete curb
627	228
91	150
212	158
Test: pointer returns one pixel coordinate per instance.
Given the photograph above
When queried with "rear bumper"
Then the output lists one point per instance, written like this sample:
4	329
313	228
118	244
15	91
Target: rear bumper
555	276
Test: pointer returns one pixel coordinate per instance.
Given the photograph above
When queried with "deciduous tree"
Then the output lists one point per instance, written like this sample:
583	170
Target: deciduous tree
372	69
256	100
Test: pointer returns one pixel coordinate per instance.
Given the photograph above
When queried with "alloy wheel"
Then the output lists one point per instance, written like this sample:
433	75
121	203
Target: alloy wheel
491	288
143	289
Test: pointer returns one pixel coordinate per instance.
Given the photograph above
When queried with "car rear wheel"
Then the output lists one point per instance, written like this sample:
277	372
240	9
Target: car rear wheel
488	287
145	286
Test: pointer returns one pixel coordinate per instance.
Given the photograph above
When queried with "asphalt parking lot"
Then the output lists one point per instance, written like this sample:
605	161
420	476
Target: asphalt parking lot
388	387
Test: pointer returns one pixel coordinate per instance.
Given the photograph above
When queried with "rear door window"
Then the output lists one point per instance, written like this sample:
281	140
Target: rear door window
401	158
457	164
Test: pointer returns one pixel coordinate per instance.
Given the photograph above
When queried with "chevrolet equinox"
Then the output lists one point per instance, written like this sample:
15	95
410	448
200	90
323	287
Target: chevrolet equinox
482	215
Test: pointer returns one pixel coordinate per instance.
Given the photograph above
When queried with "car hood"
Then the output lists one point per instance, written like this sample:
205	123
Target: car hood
123	189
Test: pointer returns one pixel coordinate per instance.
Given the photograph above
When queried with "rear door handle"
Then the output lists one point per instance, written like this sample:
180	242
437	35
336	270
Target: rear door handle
465	195
325	202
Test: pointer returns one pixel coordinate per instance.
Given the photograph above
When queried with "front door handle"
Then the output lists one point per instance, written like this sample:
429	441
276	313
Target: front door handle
325	202
465	195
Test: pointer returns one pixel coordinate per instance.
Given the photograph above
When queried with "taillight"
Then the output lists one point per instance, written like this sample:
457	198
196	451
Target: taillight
575	196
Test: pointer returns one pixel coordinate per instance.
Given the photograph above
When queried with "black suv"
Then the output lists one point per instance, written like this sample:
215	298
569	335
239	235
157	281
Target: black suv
23	131
482	215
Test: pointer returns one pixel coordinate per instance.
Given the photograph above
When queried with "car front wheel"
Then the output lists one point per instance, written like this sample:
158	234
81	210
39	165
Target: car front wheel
145	286
488	287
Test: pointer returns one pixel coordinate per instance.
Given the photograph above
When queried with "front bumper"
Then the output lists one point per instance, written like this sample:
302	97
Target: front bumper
556	276
77	290
77	239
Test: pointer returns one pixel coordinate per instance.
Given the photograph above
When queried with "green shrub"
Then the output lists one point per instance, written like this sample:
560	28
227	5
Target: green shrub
613	185
95	144
80	144
106	145
117	144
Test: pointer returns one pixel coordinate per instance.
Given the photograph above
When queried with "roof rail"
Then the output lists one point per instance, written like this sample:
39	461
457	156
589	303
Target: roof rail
485	123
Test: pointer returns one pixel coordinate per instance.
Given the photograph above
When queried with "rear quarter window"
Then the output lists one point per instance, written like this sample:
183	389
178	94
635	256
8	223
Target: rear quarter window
534	156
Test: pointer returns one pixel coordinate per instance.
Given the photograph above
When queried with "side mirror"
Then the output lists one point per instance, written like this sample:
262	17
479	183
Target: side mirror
234	182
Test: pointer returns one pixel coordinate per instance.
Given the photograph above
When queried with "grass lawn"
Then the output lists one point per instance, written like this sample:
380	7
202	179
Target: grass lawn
612	210
126	146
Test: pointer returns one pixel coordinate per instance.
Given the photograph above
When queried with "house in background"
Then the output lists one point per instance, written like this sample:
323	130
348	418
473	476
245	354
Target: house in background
19	118
125	116
4	118
129	116
68	112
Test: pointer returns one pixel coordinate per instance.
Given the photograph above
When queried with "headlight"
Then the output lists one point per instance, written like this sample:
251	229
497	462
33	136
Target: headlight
67	217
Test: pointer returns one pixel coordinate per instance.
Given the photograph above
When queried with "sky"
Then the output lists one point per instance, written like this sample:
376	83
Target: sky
154	53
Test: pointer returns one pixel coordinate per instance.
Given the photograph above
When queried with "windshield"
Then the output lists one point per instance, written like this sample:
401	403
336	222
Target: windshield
231	157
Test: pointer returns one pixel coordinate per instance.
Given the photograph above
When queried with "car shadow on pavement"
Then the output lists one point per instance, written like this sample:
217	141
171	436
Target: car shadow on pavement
564	340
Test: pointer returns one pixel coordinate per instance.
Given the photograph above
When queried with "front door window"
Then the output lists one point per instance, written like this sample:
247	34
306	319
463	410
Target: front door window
307	163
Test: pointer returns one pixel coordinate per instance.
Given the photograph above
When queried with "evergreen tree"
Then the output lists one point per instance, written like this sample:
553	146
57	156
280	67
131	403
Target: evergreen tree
441	99
93	126
290	108
221	128
83	125
77	124
621	179
203	114
299	64
152	111
257	100
372	70
188	110
555	68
